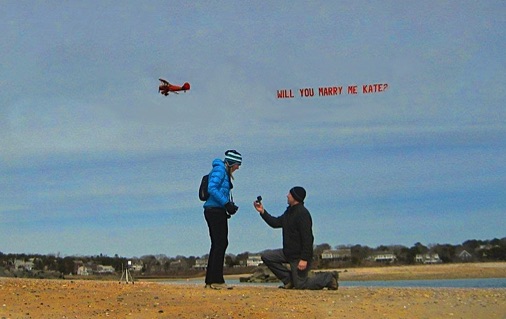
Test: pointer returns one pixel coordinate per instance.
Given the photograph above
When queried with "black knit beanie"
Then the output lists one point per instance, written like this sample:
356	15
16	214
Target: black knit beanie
298	193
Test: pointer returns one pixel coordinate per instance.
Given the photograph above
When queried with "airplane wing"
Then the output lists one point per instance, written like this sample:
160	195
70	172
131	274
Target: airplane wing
164	81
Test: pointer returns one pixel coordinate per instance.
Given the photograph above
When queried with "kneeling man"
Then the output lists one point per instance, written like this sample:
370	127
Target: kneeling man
297	227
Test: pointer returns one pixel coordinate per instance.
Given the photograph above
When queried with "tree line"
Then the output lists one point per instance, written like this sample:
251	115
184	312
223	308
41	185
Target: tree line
53	265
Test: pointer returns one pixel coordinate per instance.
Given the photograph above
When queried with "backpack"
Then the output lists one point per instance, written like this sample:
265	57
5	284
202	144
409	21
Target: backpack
203	193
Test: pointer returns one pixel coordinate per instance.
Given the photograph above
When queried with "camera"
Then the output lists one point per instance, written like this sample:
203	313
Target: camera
259	199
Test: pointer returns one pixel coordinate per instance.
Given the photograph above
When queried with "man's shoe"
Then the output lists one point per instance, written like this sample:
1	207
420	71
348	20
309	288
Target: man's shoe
219	286
287	286
334	284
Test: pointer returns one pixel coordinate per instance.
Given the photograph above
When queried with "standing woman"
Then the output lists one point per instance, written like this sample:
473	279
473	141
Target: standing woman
217	210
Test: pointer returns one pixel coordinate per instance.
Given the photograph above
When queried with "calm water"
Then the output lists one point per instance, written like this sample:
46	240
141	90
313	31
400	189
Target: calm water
440	283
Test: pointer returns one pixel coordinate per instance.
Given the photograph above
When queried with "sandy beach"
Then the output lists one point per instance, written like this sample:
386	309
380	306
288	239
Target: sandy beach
32	298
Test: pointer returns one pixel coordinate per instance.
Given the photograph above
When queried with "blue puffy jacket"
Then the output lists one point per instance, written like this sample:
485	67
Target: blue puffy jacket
219	185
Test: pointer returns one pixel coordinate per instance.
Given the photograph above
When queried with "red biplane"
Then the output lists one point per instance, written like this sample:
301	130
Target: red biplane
165	87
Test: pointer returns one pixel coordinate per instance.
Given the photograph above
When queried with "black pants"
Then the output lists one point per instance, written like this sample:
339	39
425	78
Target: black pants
275	260
217	222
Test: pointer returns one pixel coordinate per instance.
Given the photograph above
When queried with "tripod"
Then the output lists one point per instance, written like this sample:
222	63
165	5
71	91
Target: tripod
127	275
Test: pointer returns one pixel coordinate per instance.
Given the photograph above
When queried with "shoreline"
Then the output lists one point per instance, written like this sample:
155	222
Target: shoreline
407	272
426	272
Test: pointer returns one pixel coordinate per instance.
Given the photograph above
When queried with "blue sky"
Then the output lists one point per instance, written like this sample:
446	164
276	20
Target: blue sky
93	160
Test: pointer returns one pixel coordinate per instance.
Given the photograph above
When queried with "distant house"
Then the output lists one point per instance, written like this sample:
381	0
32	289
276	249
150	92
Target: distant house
428	259
383	257
464	255
83	270
77	265
102	270
24	265
337	254
254	261
137	267
200	264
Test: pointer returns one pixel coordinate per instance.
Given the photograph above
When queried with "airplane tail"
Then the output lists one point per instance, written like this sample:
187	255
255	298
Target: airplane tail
186	86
